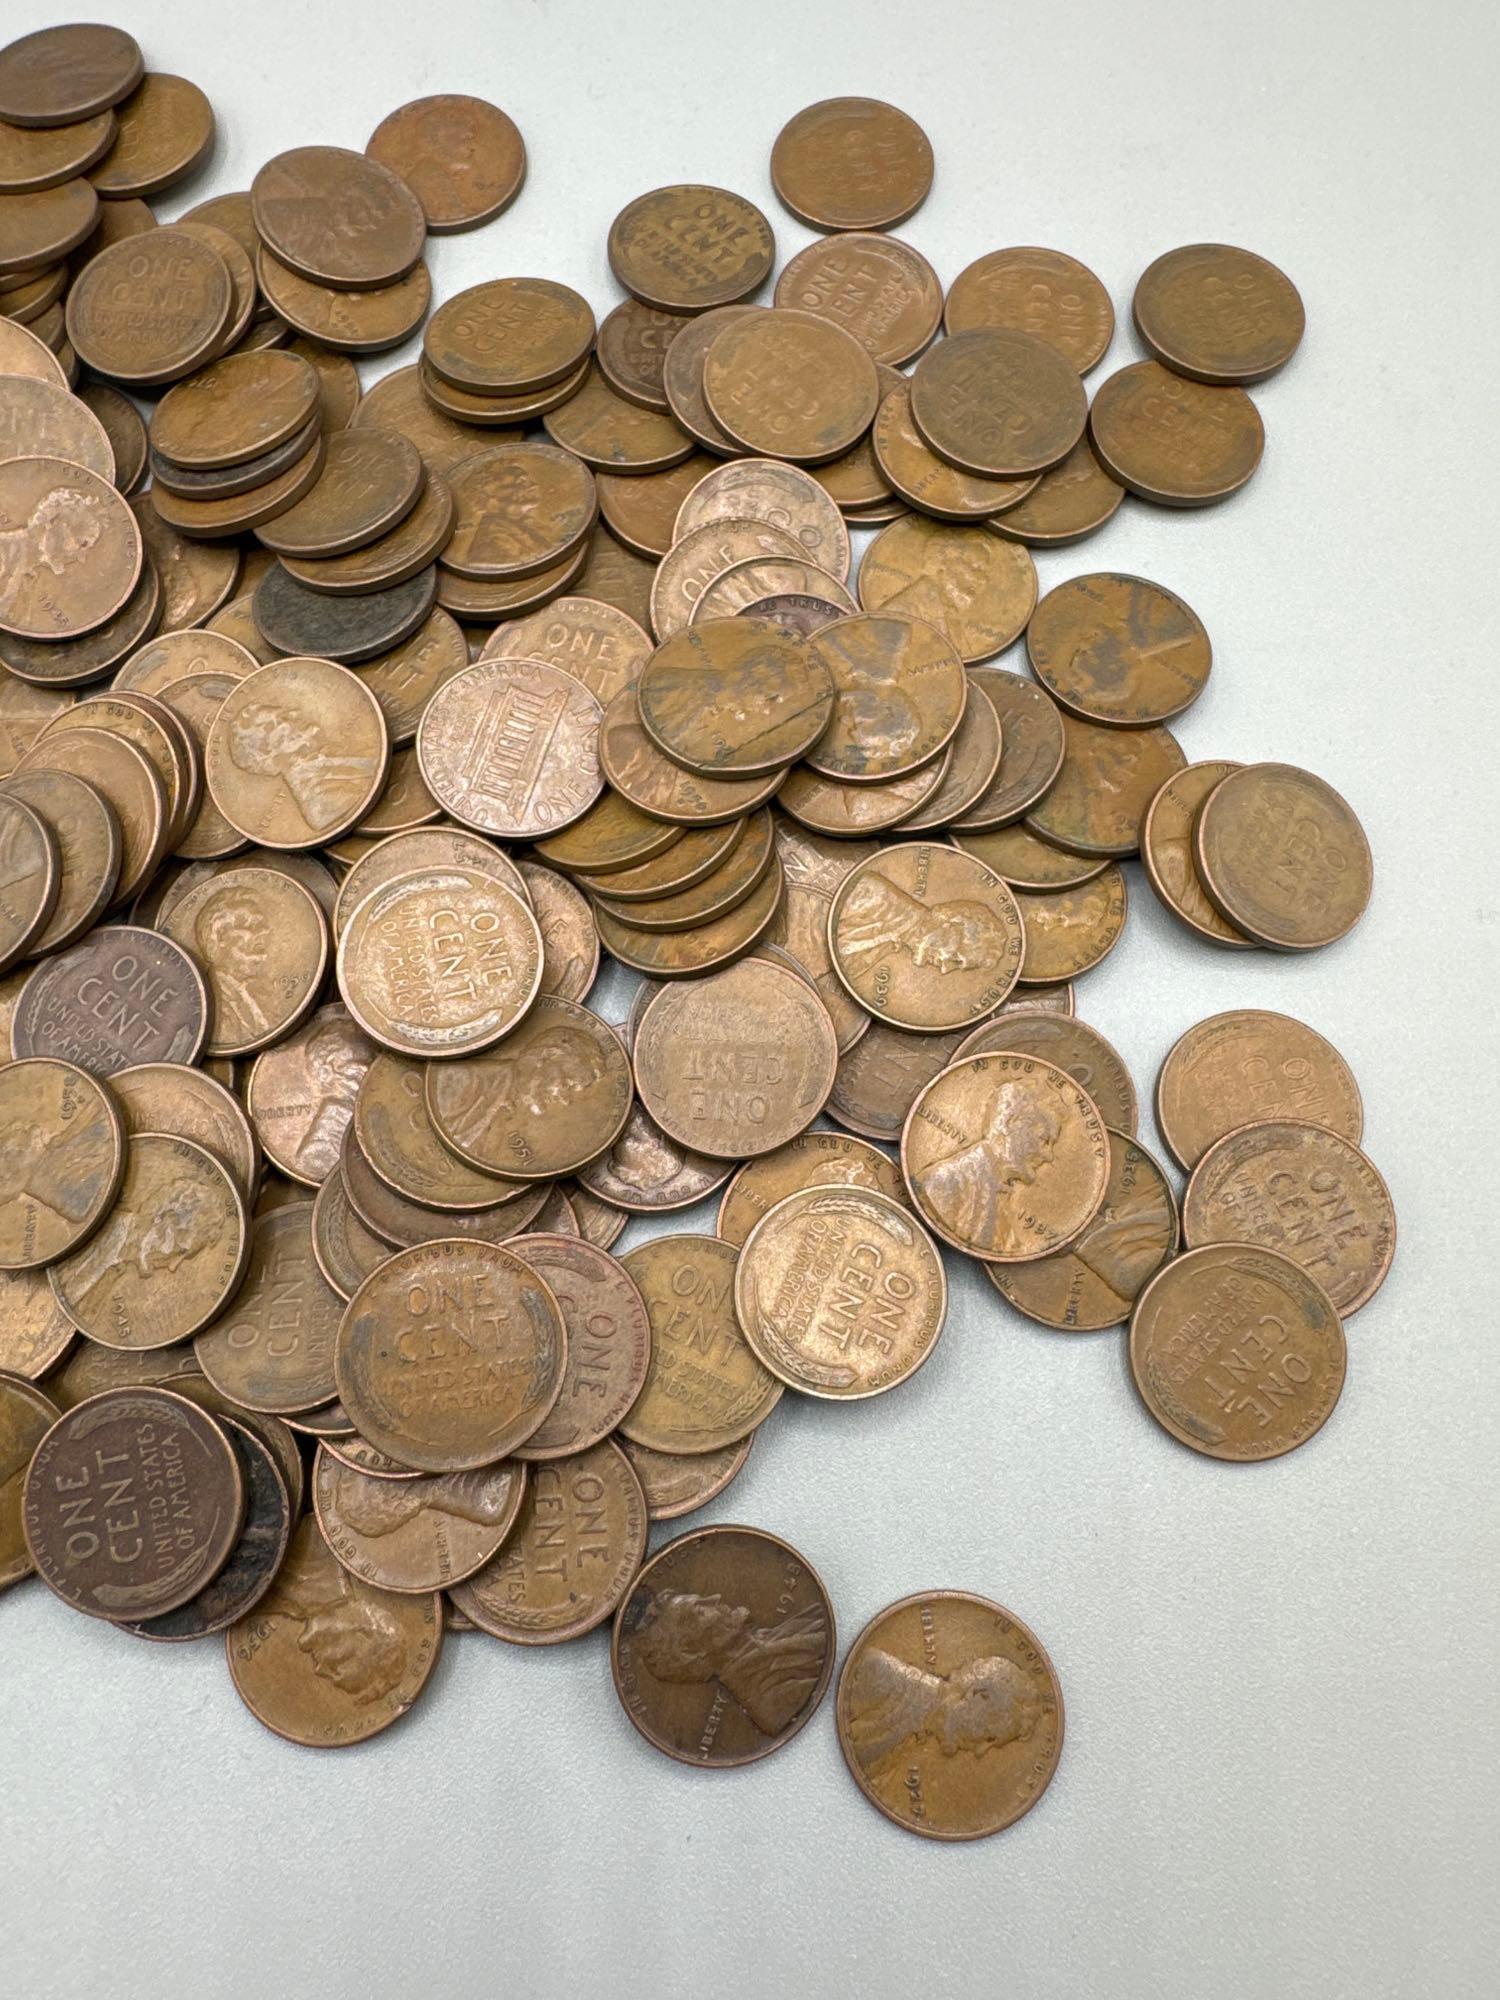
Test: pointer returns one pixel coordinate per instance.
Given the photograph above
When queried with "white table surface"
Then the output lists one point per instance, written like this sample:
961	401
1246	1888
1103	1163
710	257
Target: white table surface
1279	1776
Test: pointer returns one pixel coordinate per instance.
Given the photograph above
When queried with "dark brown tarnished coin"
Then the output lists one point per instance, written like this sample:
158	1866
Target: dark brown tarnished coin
1117	649
998	401
150	308
450	1355
461	157
297	753
790	383
1167	852
1069	501
851	163
1006	1157
1108	778
415	1535
899	694
395	1133
735	698
674	1485
950	1715
26	1416
165	132
118	997
1303	1192
235	410
1073	1046
555	1095
170	1097
262	943
64	1146
877	288
1173	441
1069	931
684	249
325	1659
724	1647
1218	314
1251	1068
508	335
574	1553
510	747
1283	857
781	496
351	629
56	76
1043	292
1237	1352
609	1343
133	1503
301	1093
925	938
73	551
705	1387
273	1350
928	482
975	590
736	1065
1095	1282
337	217
632	351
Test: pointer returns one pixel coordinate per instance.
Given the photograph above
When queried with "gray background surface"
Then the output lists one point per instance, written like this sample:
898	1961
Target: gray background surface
1279	1776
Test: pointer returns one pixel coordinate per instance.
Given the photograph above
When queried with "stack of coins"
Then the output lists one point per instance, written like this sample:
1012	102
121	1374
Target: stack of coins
332	764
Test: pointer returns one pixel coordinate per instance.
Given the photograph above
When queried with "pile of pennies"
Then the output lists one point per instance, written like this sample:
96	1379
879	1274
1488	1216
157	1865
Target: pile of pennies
336	756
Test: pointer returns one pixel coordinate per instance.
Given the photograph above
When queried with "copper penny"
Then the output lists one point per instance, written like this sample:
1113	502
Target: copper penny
800	931
814	1160
273	1349
675	1486
735	698
570	943
925	938
95	1491
396	403
795	612
1237	1352
120	996
851	163
440	963
1071	500
850	810
37	419
31	860
950	1715
71	662
1006	1157
124	777
632	351
646	1173
1304	1192
974	762
170	1097
595	642
494	410
1218	314
1095	1282
977	591
1107	780
508	335
56	76
509	597
650	780
517	509
682	376
142	722
35	1332
697	558
395	1133
511	747
36	157
461	157
617	576
262	942
415	1535
734	590
875	287
301	1093
612	434
1071	1045
724	1648
686	248
612	835
1251	1068
42	226
704	1388
1173	441
404	805
363	322
1283	857
609	1343
928	482
780	496
998	401
404	679
21	353
1042	292
337	217
409	853
404	1224
1167	851
73	552
1116	649
1069	931
790	383
235	410
349	629
297	753
26	1416
370	481
325	1659
165	132
196	700
150	308
197	578
338	381
66	1149
899	697
736	1065
123	426
716	896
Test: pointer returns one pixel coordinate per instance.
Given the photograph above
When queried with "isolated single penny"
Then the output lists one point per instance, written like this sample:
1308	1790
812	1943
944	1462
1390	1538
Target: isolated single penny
724	1647
977	591
1248	1067
1073	1046
1237	1352
297	753
813	1160
64	1143
462	157
26	1416
450	1355
337	217
920	477
324	1659
675	1486
998	401
96	1489
1108	778
56	76
1177	442
149	309
1117	649
415	1535
899	694
1071	500
554	1095
781	496
686	248
950	1715
877	288
120	996
510	747
1006	1157
508	335
235	410
1167	853
442	962
737	1064
165	131
609	1343
170	1097
735	698
1304	1192
926	937
851	163
1218	314
1283	857
262	943
1095	1281
1042	292
790	383
72	549
705	1387
1069	931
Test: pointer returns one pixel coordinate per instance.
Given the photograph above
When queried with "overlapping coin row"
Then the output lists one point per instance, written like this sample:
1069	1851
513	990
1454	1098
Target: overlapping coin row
335	760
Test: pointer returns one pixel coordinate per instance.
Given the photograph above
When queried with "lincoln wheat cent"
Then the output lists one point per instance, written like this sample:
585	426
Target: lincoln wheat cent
1250	1068
1237	1352
167	1097
852	163
978	592
1218	314
1108	778
875	287
1283	857
791	383
35	1332
510	334
297	753
736	698
235	410
1043	292
684	249
149	309
26	1416
133	1502
1025	861
1167	852
1176	442
736	1065
923	479
165	131
950	1715
1069	931
56	76
409	853
1072	1045
925	937
510	746
998	402
1118	649
782	496
301	1094
705	1387
1304	1192
65	1147
645	1173
461	157
675	1486
1031	751
337	217
120	996
395	1133
570	943
72	551
415	1535
609	1343
273	1350
1072	500
450	1355
1006	1157
724	1647
899	694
